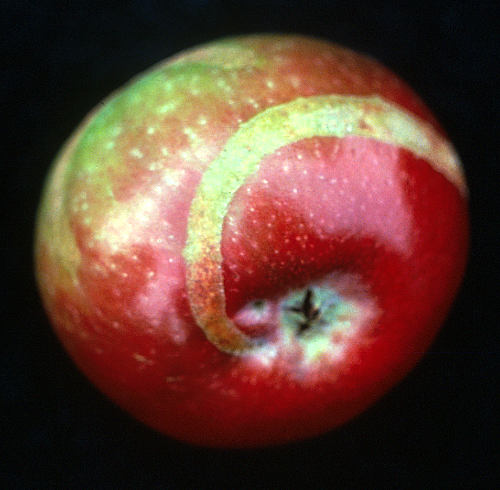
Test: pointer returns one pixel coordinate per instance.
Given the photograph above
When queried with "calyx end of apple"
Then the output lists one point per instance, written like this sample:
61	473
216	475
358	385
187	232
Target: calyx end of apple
317	323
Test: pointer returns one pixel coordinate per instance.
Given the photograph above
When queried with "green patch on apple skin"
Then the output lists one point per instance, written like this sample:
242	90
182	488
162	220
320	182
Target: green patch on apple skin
324	116
164	90
226	54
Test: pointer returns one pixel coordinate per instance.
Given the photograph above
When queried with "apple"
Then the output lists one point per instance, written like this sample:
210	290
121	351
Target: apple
253	241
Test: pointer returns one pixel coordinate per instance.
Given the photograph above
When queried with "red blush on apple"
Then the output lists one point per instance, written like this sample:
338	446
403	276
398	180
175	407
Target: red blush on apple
252	242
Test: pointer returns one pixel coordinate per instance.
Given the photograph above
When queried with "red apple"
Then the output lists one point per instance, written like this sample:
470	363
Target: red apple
253	241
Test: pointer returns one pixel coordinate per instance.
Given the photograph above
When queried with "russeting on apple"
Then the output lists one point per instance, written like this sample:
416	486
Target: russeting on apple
253	241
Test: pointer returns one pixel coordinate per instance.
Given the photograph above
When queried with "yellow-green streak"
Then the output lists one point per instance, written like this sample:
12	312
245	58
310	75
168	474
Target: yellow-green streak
273	128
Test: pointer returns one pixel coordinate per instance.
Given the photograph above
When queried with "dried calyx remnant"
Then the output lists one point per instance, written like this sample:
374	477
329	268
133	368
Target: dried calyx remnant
307	311
312	311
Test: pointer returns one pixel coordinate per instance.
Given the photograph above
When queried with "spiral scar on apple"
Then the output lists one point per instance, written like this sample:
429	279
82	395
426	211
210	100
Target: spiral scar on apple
275	197
316	116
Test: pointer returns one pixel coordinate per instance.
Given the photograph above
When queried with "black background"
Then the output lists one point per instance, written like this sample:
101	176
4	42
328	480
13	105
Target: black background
434	430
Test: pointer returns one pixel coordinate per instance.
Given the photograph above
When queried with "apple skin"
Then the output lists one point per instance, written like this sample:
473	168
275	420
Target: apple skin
253	241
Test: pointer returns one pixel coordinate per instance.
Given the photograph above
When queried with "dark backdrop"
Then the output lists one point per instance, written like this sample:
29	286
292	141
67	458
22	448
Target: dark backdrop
435	430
